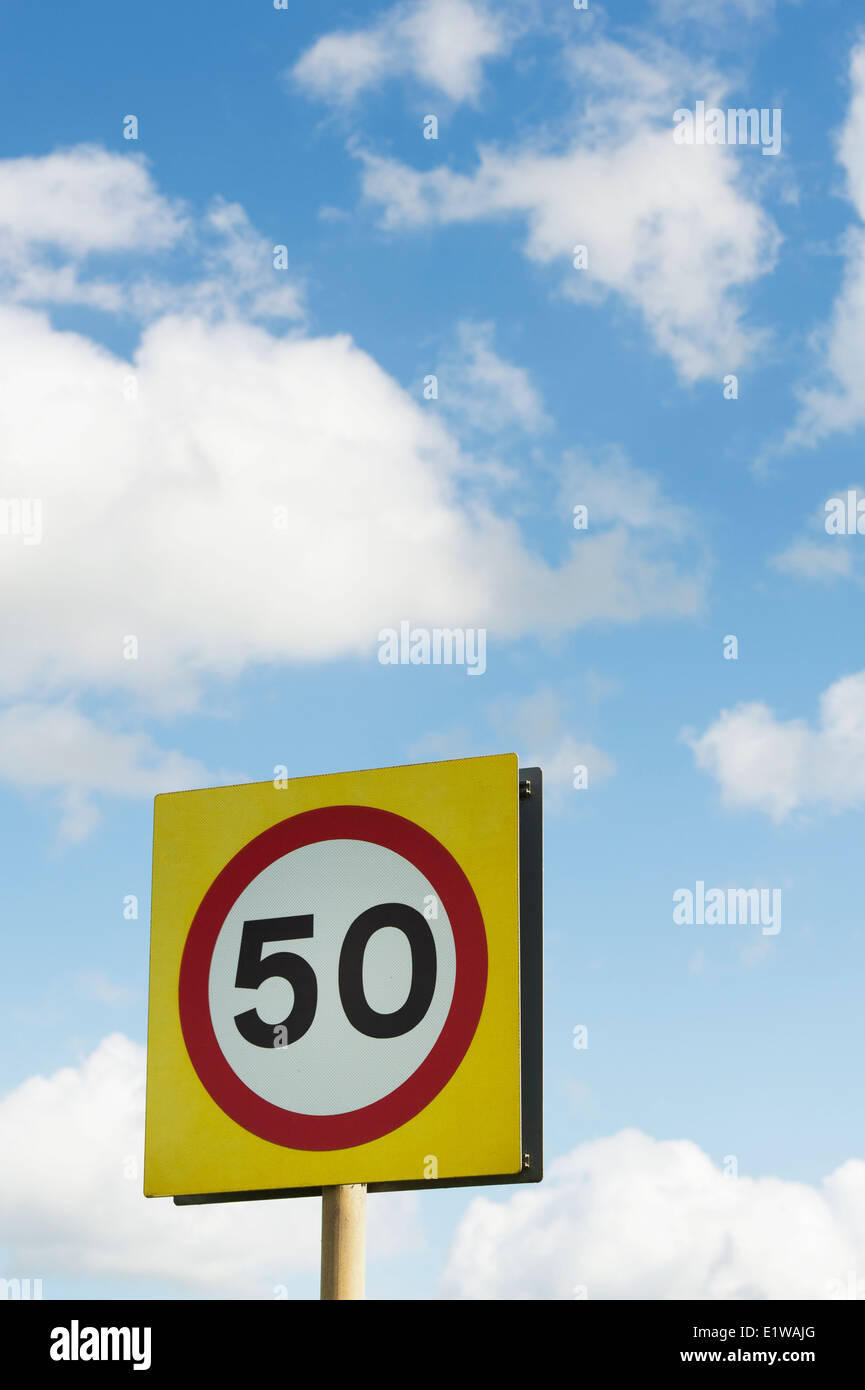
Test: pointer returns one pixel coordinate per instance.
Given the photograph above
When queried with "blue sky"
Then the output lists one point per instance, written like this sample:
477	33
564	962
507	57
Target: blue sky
166	389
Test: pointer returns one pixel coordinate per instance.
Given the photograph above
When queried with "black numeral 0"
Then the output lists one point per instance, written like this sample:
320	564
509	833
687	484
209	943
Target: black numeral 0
423	970
286	965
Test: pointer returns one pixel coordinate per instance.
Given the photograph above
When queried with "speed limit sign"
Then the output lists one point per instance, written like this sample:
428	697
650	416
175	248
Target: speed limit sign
345	982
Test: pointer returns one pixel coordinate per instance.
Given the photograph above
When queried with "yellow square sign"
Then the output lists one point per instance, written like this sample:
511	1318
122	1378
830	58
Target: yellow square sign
335	981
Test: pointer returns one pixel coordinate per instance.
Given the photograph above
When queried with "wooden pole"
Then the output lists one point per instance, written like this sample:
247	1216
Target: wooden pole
343	1241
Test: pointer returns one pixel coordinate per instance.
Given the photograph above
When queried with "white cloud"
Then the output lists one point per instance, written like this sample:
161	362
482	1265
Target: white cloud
78	226
536	728
224	511
629	1217
71	1201
821	560
483	390
241	269
614	491
779	766
824	556
98	985
56	747
837	401
237	275
538	725
85	199
441	43
560	760
668	227
851	139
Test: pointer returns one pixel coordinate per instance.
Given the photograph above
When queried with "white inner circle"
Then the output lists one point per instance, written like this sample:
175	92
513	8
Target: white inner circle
333	1068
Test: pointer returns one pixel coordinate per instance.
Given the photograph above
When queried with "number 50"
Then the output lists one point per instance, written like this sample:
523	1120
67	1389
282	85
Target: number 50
252	971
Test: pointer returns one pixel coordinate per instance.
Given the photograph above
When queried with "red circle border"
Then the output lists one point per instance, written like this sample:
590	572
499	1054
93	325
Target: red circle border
293	1129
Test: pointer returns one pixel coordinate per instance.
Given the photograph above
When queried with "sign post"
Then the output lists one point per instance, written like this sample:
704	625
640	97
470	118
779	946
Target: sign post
343	1240
345	976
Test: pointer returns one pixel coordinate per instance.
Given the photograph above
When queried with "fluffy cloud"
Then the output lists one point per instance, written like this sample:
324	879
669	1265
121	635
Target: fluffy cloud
629	1217
668	227
538	726
483	390
235	275
56	747
823	556
441	43
78	226
837	402
820	560
778	766
539	722
85	199
218	496
613	490
87	1124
